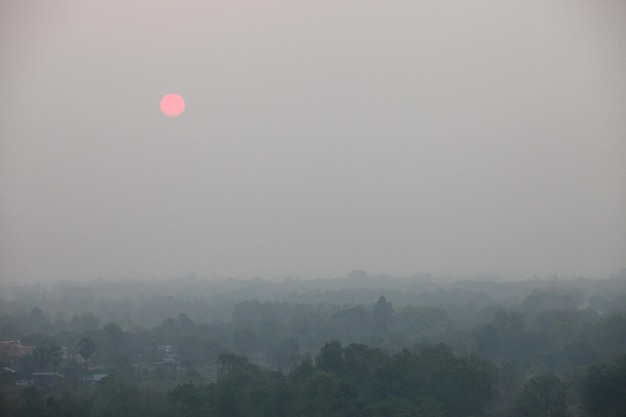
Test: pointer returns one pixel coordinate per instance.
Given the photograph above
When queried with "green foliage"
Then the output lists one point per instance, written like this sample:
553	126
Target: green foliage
188	400
32	403
46	352
304	368
238	385
398	407
67	405
461	386
382	319
116	338
85	322
116	397
86	347
331	357
510	375
73	370
245	340
543	396
487	340
285	351
604	389
9	331
5	406
416	361
319	394
353	381
422	319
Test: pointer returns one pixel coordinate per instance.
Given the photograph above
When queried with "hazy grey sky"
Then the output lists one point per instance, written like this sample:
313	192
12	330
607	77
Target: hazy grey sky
395	136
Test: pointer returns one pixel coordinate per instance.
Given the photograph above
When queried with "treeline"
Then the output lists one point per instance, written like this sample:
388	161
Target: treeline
523	344
144	304
342	381
550	332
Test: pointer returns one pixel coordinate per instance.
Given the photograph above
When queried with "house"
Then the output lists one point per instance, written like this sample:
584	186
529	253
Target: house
94	377
24	382
13	350
46	379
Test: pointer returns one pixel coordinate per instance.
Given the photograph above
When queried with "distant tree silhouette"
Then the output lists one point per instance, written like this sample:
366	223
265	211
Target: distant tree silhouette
86	348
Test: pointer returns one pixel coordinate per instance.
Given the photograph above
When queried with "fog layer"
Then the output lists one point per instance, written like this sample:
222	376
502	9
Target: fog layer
319	137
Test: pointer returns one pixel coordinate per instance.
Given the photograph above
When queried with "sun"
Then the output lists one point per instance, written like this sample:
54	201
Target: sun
172	105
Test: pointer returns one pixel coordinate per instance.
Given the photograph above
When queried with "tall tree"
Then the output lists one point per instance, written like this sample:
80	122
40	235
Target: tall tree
382	318
47	351
86	348
331	357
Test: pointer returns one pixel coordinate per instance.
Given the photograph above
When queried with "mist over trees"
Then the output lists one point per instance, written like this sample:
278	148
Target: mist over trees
360	345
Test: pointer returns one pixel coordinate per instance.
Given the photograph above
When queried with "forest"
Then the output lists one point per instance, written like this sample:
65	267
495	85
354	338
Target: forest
360	345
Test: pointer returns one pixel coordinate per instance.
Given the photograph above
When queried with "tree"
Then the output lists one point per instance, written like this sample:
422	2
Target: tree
85	322
86	348
543	396
462	386
38	320
286	350
33	403
331	357
245	340
604	389
10	331
382	318
352	324
118	340
56	358
417	319
320	394
191	401
4	406
487	340
360	362
237	379
47	351
514	340
115	397
74	371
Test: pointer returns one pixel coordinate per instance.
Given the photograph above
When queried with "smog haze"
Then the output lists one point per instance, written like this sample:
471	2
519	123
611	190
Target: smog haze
396	137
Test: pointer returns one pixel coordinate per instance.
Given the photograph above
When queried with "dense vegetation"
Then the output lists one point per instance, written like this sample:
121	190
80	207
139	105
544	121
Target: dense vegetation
357	346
